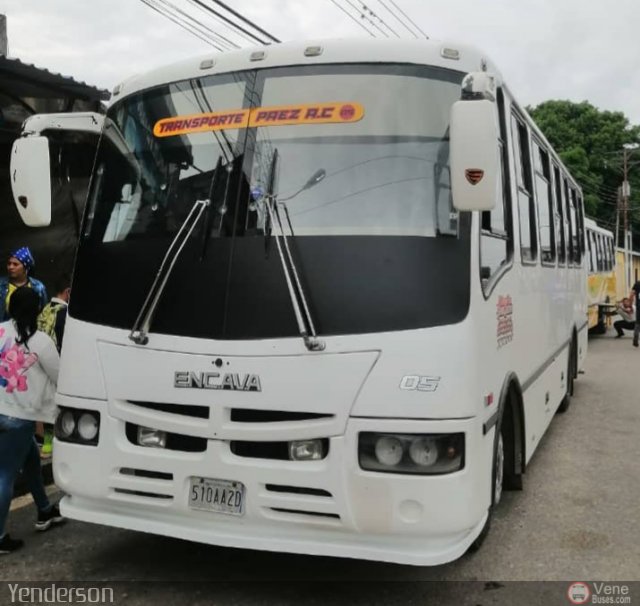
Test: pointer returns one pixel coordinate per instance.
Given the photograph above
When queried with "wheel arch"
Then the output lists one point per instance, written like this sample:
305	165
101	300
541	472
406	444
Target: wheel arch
511	402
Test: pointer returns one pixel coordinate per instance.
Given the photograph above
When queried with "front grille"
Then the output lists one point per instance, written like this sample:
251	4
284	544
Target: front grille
186	410
143	473
316	492
302	512
140	493
261	450
267	450
249	415
175	441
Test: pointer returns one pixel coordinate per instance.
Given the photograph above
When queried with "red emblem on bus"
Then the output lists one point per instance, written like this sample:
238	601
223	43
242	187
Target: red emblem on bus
347	112
474	175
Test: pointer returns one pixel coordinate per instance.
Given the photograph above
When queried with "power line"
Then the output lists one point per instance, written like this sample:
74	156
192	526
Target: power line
379	18
168	15
410	19
403	23
364	17
230	22
354	19
601	188
245	20
223	23
219	39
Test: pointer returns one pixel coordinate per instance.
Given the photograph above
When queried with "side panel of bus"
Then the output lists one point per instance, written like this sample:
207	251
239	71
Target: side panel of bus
533	279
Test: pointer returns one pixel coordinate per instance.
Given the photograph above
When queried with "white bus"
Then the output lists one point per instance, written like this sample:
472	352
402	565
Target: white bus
601	281
327	299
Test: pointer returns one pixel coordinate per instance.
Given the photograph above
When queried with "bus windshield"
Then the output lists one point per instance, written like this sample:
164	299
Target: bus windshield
362	168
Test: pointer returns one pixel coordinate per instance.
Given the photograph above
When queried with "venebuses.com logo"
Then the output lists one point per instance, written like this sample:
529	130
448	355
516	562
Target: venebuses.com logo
580	592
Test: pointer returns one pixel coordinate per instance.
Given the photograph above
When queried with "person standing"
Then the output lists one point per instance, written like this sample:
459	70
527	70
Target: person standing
51	321
29	363
53	317
634	295
19	265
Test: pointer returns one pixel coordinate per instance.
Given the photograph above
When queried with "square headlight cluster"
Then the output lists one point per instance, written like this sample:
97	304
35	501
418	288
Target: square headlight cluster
78	426
427	454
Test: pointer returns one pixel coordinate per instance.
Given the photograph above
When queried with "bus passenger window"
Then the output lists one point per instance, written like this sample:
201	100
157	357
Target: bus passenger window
592	252
526	208
575	235
544	201
496	243
612	252
599	264
561	240
569	221
580	211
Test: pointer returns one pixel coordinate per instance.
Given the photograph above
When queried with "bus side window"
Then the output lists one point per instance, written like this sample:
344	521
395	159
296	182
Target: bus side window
600	264
569	220
560	213
526	207
592	252
496	243
612	252
544	202
579	206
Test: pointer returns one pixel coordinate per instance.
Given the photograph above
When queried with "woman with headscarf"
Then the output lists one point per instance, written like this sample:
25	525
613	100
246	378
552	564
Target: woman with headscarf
19	265
29	363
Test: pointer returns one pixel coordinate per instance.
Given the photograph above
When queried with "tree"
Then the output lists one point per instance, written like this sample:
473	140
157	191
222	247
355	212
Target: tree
590	143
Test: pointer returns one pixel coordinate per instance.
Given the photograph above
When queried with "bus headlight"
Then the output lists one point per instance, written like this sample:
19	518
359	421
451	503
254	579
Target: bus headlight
152	438
306	450
428	454
389	450
66	424
78	426
88	426
423	451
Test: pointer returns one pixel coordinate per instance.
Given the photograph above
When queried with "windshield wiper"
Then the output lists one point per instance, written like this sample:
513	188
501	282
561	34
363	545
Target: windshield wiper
139	332
307	330
209	216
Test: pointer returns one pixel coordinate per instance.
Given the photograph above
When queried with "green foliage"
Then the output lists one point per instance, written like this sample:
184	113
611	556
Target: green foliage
590	143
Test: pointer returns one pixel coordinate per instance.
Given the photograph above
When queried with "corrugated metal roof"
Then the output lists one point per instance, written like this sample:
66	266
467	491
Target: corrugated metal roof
27	80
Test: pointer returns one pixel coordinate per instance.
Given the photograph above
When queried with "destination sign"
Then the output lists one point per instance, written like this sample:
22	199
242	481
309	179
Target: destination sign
281	115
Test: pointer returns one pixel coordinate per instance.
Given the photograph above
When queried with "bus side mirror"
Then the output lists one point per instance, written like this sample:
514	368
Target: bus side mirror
31	180
474	155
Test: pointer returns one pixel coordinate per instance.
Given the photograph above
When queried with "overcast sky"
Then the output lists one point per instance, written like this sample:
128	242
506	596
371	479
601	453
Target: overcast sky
546	49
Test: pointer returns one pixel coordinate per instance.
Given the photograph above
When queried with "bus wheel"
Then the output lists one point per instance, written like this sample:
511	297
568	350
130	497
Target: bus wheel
511	476
571	373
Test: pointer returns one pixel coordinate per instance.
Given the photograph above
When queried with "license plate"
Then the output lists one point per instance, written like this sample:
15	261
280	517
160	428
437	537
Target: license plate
221	496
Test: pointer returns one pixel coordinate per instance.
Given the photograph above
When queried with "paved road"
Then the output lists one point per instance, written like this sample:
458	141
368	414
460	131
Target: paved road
576	519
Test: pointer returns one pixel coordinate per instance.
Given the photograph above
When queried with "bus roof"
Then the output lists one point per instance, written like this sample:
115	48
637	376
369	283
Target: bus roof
357	50
593	226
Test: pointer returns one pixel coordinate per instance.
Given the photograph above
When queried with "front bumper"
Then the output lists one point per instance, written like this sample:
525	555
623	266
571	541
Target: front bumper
348	512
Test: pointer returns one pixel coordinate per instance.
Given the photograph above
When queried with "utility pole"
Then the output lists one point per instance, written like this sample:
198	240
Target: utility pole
618	205
625	192
625	206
